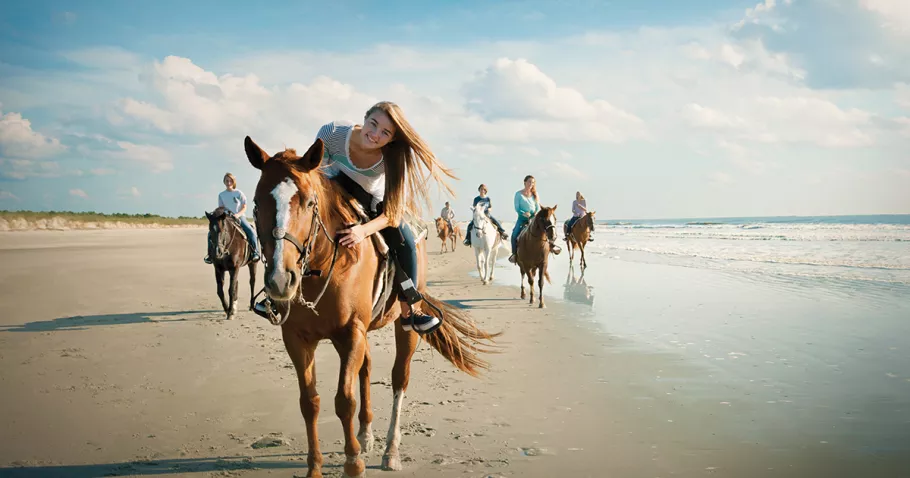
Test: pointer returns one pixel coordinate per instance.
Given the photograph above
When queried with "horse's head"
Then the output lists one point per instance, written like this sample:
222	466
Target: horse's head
440	225
480	216
589	219
545	220
286	213
218	241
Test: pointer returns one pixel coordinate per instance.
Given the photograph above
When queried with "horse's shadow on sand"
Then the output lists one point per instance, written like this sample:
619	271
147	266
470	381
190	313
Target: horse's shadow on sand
176	466
82	322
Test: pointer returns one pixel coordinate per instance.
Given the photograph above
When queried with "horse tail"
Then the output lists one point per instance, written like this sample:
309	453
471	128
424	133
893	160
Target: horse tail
459	339
546	275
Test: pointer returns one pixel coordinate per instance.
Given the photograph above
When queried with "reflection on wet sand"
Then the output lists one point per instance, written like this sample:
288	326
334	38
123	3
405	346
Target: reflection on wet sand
577	290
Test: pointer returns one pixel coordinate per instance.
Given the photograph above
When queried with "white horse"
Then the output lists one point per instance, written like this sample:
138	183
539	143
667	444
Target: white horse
486	242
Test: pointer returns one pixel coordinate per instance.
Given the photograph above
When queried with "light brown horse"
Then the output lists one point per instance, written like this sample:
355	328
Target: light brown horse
446	234
533	252
229	251
578	237
299	211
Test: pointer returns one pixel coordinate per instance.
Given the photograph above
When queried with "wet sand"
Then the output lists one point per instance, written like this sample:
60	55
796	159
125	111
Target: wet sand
115	360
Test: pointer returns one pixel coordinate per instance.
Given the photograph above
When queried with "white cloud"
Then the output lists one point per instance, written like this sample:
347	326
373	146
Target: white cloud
720	177
153	158
199	102
895	14
135	191
8	196
568	171
516	97
761	13
904	125
530	151
902	94
101	171
78	193
22	169
483	149
18	140
704	117
787	120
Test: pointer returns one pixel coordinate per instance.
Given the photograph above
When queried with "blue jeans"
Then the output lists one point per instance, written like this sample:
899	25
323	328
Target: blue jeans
402	242
250	233
519	225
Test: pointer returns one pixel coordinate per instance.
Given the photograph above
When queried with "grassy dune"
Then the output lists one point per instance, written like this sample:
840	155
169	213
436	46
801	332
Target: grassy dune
64	220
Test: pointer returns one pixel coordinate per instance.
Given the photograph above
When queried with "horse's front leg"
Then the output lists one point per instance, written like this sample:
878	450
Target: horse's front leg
302	355
491	261
233	291
365	434
524	274
540	274
481	265
531	285
351	350
584	263
219	284
405	345
252	267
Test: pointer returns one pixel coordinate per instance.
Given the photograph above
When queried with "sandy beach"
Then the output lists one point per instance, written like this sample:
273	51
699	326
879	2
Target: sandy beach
116	360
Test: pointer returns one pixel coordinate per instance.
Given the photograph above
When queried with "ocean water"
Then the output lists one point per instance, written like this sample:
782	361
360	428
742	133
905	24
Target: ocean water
851	248
798	327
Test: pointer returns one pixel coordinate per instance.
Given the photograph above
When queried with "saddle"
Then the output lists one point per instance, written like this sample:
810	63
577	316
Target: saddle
383	280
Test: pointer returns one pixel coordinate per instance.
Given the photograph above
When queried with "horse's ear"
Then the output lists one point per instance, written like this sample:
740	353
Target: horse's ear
313	156
207	215
254	153
555	206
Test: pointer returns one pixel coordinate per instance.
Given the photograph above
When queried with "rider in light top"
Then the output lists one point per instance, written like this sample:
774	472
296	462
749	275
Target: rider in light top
234	202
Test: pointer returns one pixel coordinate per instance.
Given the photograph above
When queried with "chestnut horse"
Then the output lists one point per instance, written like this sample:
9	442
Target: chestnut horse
578	237
300	211
229	251
445	233
533	252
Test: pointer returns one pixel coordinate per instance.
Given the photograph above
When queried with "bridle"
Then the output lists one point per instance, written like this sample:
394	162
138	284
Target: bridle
225	238
303	261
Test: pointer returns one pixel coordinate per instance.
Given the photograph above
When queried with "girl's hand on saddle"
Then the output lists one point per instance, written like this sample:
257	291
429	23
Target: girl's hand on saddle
352	236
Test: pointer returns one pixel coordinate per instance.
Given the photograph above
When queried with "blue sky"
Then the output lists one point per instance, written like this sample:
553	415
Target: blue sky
651	109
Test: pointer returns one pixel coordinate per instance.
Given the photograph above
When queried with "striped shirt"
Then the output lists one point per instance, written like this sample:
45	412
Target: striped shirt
337	159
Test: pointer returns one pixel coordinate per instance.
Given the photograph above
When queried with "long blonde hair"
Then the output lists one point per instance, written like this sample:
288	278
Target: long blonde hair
404	184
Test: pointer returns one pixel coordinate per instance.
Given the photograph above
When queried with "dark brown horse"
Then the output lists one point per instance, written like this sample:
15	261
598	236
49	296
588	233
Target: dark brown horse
298	209
229	251
578	237
447	234
533	252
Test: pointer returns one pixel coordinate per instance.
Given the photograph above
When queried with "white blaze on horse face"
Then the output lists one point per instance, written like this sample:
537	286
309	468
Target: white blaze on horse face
282	193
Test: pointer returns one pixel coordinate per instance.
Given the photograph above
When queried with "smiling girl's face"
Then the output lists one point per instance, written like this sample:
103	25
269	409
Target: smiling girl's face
378	130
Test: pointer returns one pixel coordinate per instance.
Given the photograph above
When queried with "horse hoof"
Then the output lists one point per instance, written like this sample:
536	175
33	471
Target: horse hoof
391	463
366	442
541	306
354	467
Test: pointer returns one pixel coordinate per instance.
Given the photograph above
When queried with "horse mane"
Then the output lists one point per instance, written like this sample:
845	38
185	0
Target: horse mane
338	207
219	212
